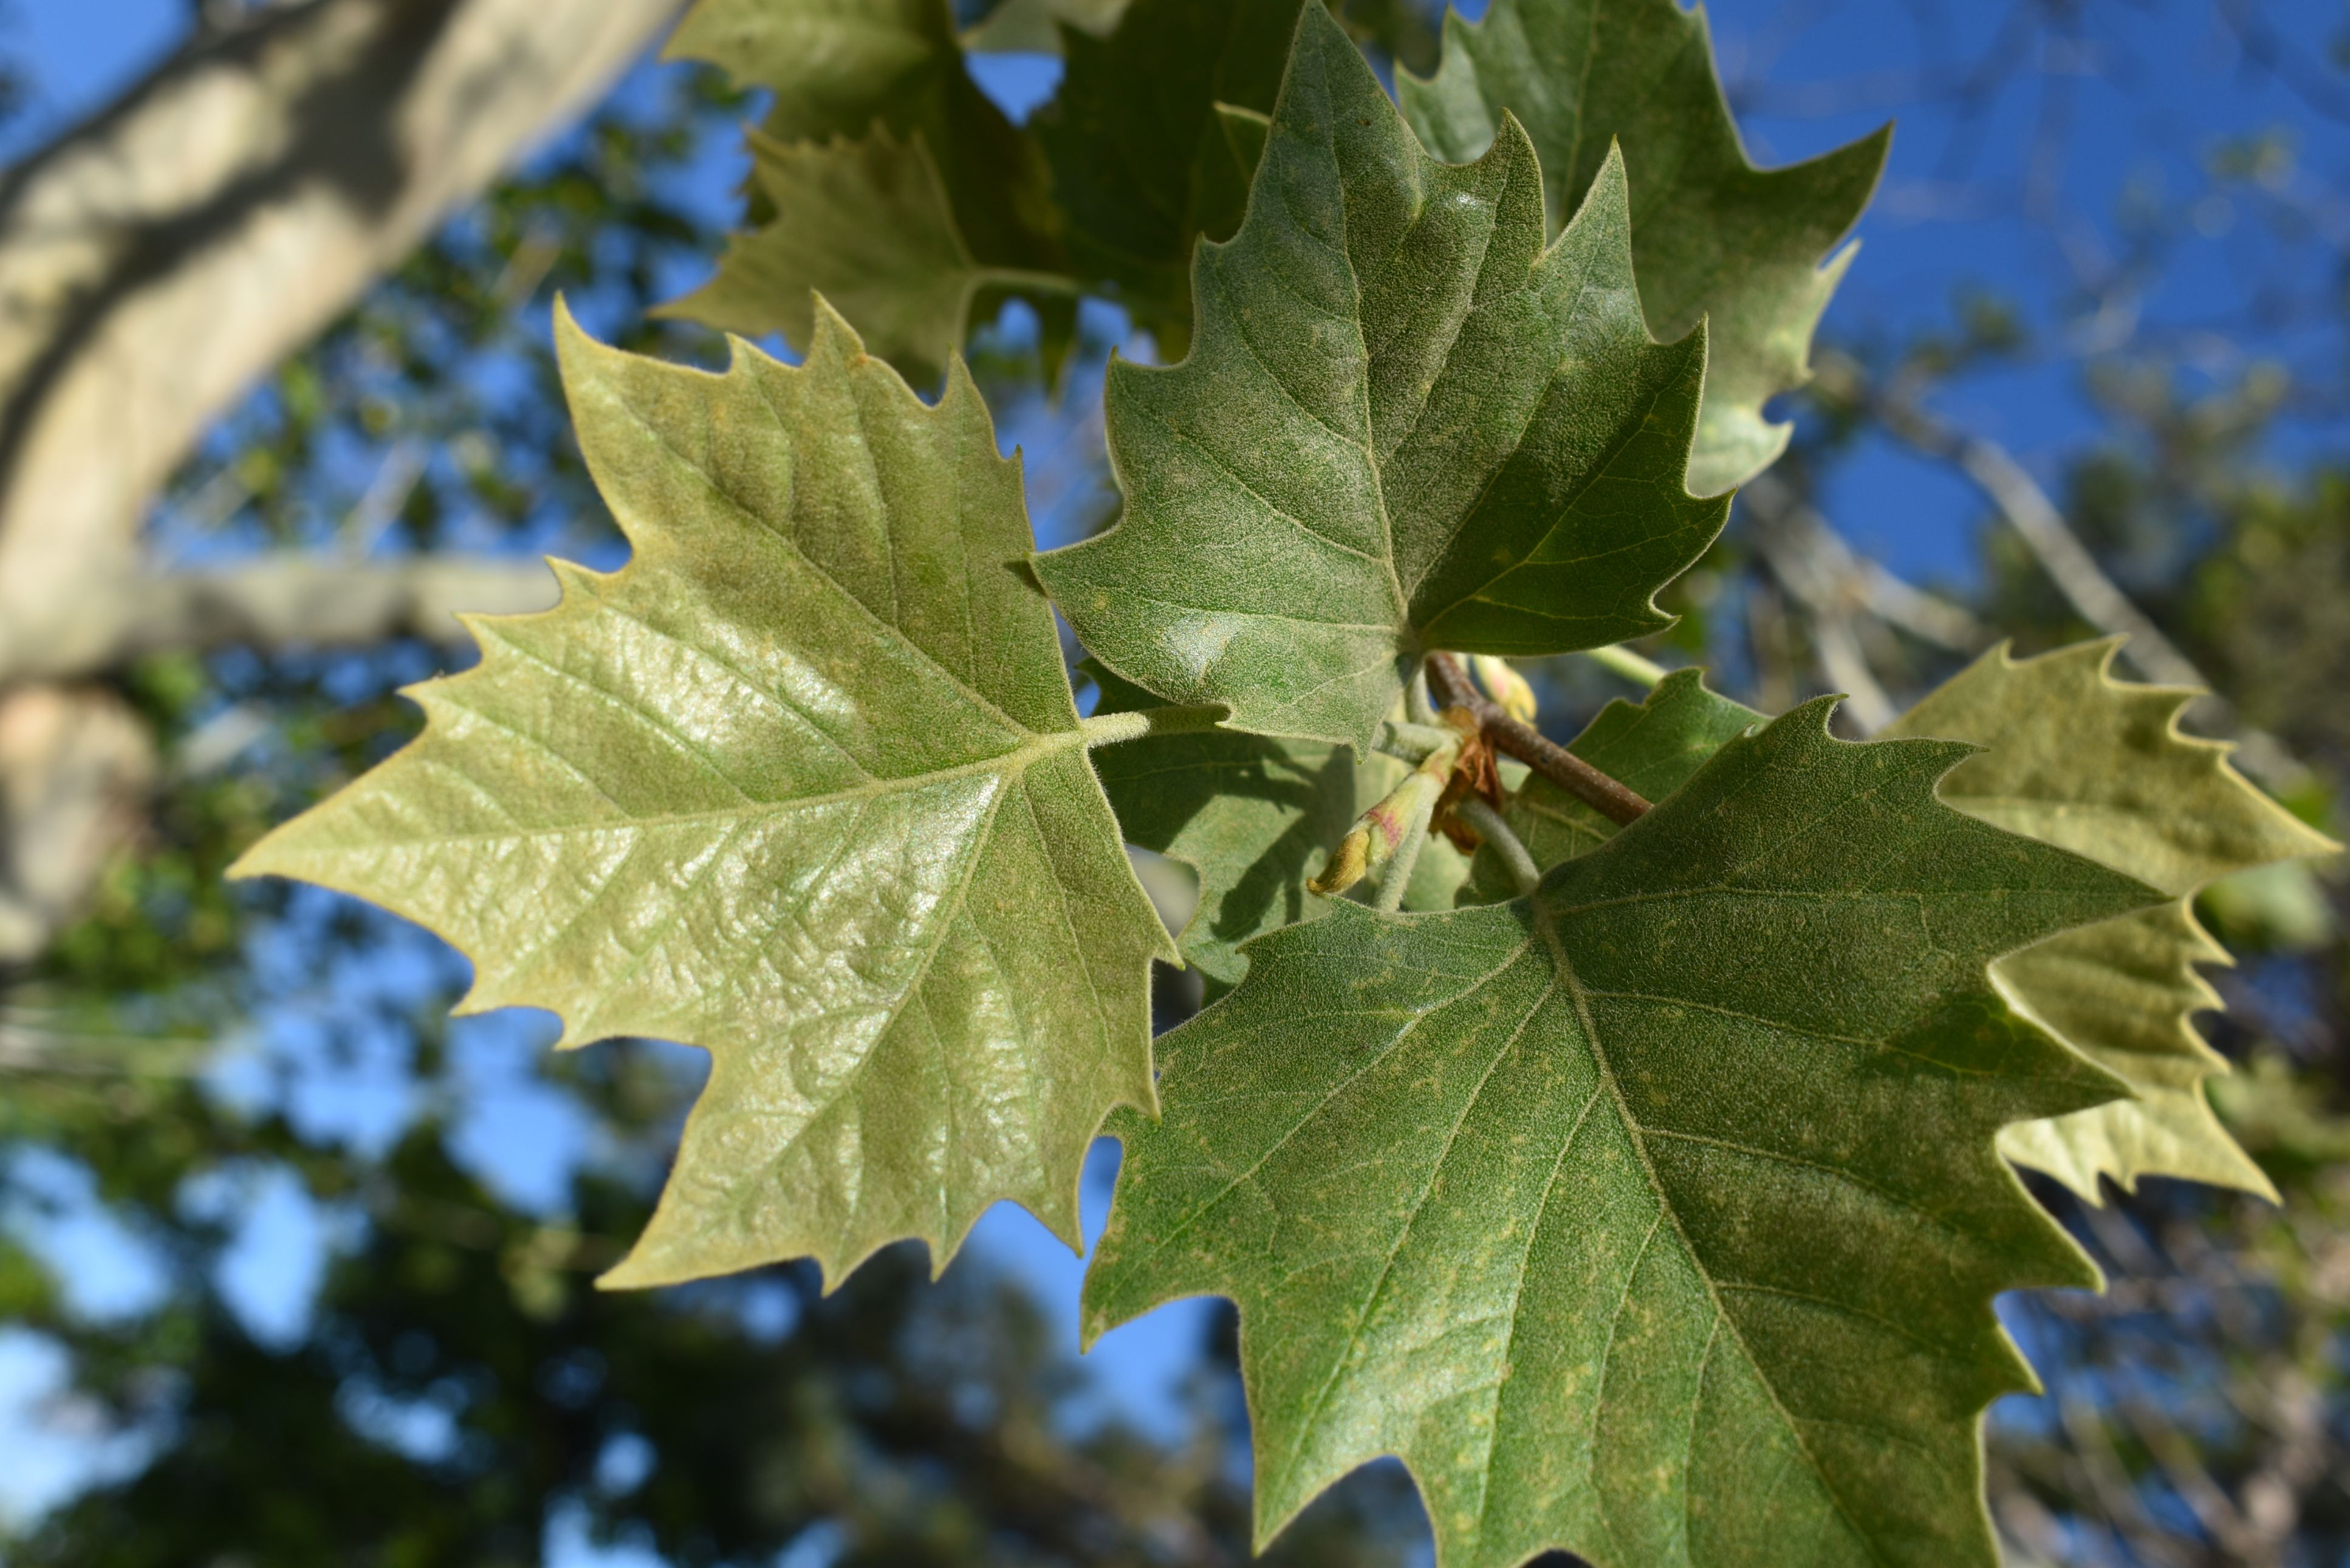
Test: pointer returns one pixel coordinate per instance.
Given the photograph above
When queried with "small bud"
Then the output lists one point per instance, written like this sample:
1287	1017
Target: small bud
1380	831
1505	686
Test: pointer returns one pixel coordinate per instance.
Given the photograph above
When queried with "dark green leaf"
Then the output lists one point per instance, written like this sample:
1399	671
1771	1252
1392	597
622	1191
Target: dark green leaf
1404	424
1143	165
1712	236
1656	1216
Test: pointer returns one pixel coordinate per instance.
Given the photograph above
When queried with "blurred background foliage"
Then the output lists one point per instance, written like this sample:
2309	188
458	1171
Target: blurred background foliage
424	1374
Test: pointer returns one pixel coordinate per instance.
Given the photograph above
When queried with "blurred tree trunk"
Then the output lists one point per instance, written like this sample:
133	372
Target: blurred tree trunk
160	256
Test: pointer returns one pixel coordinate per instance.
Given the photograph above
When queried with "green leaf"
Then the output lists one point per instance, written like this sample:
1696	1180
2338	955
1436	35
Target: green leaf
866	224
834	66
1034	26
876	125
1143	163
1651	748
1404	424
1253	816
802	784
1712	235
1655	1217
2080	760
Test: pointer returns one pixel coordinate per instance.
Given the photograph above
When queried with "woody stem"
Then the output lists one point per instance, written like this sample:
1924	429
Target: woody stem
1453	688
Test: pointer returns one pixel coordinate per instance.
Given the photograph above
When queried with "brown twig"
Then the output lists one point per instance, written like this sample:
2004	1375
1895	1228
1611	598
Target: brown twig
1553	761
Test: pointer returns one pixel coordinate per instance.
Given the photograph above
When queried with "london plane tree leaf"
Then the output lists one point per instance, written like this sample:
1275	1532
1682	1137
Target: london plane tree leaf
801	783
2078	759
1145	160
1655	1215
2074	758
1255	817
884	179
1712	235
1404	424
866	224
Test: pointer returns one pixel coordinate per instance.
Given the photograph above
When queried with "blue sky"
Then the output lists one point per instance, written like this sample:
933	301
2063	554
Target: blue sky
2143	96
2144	93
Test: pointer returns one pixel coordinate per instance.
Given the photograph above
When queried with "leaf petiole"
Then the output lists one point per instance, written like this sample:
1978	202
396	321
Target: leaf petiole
1617	659
1546	757
1494	830
1414	743
1111	728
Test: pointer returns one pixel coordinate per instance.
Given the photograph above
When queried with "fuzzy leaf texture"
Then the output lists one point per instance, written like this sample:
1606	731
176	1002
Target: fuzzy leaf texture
885	178
1404	424
1656	1216
2078	759
1712	235
802	784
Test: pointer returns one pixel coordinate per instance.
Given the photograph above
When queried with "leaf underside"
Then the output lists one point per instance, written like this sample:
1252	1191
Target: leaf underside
2078	759
802	784
1712	235
1655	1217
1403	424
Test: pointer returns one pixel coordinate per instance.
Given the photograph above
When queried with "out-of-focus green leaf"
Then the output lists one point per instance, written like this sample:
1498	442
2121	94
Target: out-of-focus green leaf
1034	26
1656	1216
803	784
1143	164
866	224
2078	759
1404	424
1712	235
886	76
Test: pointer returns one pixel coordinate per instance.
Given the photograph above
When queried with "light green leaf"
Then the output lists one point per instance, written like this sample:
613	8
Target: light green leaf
2081	760
1403	425
876	127
834	66
1651	748
802	784
1655	1217
1143	163
1712	236
1253	816
866	224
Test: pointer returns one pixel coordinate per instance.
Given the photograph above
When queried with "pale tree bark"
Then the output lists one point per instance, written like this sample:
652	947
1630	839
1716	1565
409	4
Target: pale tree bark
75	765
158	258
274	602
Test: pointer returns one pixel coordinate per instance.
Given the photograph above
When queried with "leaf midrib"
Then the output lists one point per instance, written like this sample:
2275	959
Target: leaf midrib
1010	764
1546	927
